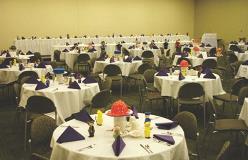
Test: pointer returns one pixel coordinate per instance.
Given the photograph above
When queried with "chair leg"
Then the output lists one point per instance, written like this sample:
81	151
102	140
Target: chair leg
204	115
25	131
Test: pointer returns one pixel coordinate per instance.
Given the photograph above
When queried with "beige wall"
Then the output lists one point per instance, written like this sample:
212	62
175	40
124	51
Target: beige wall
227	18
103	17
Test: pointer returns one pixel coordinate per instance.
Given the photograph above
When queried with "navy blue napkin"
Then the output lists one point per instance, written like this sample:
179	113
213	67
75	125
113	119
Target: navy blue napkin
209	75
21	67
117	51
49	75
83	116
88	80
70	135
32	80
112	60
206	71
65	50
3	65
118	145
167	125
137	58
92	50
41	65
181	77
165	138
162	73
135	112
8	55
245	63
74	85
40	86
128	59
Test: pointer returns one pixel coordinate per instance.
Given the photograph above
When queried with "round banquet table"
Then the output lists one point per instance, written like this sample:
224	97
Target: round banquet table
242	72
242	56
103	140
170	85
195	61
11	74
127	68
66	100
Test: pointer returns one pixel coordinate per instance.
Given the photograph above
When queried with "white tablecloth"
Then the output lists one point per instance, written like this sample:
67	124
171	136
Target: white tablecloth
242	72
103	140
209	38
45	46
127	68
67	101
244	112
242	56
8	75
170	85
195	61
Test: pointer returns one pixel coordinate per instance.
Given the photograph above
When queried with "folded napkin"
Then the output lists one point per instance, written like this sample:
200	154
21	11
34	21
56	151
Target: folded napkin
167	125
101	58
40	86
135	112
112	60
165	138
181	77
21	67
32	80
202	45
8	55
92	50
206	71
29	53
88	80
245	63
118	145
200	56
209	75
83	116
65	50
74	85
131	47
208	45
77	76
70	135
162	73
41	65
49	75
155	47
117	51
137	58
3	66
128	59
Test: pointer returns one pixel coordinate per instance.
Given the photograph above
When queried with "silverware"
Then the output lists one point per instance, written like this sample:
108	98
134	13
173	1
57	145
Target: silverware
145	148
87	147
148	147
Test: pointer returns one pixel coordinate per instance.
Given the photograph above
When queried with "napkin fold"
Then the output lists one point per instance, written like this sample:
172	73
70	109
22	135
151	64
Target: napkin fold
135	112
65	50
40	86
21	67
83	116
128	59
70	135
8	55
49	75
41	65
162	73
117	52
89	79
165	138
137	58
167	125
92	50
118	145
74	85
181	77
209	75
112	60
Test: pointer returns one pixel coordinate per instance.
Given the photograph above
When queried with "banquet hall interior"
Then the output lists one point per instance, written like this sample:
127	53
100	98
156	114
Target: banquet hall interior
133	79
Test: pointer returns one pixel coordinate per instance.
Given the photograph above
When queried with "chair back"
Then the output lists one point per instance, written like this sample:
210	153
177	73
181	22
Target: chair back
106	84
40	105
212	52
112	70
147	54
101	99
186	49
188	122
42	129
209	63
149	75
243	93
191	90
242	82
56	55
224	152
26	75
143	67
83	58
